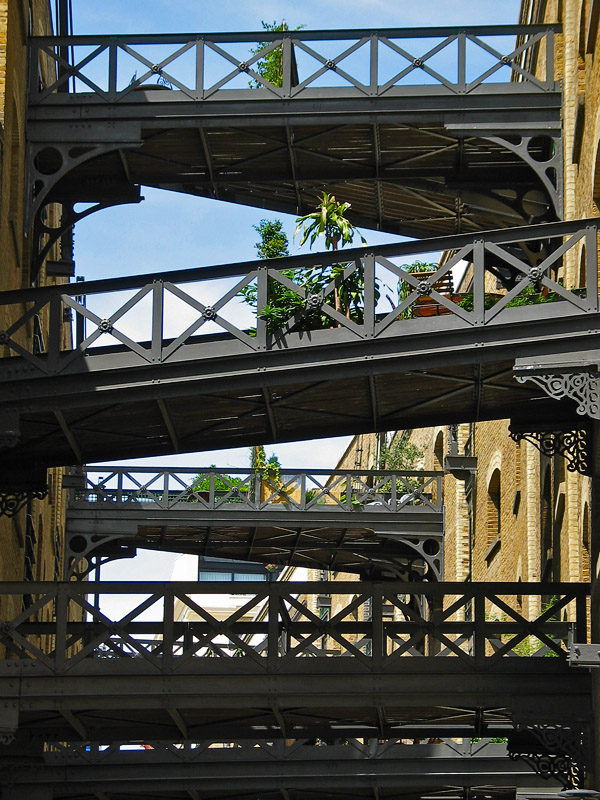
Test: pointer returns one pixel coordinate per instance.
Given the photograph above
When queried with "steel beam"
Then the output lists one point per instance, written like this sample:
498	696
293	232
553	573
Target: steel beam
264	767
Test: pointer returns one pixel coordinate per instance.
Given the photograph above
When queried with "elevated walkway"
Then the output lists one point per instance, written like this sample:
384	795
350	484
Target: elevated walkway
313	769
171	363
428	130
368	521
139	661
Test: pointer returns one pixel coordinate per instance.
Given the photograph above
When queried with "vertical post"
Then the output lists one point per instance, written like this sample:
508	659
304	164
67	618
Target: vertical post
378	646
591	267
62	29
199	93
157	320
54	330
374	67
168	628
549	82
262	295
286	65
595	590
479	626
479	281
112	71
60	647
461	78
273	627
369	279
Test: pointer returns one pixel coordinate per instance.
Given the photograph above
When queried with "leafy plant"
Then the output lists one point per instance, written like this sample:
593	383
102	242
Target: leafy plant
284	305
201	483
400	455
405	289
270	67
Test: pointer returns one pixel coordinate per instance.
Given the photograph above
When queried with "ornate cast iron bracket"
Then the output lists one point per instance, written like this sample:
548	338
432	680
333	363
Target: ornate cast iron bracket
583	387
11	502
553	751
575	446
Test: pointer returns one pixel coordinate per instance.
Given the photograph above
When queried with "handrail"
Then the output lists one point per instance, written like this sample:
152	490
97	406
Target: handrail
392	61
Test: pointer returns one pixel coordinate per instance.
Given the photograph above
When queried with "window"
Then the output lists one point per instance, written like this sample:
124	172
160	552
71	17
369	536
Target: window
209	575
493	509
586	573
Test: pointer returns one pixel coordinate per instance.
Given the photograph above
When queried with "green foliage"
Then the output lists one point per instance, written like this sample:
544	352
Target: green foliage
273	239
404	289
285	306
201	483
467	302
270	67
269	467
400	455
327	220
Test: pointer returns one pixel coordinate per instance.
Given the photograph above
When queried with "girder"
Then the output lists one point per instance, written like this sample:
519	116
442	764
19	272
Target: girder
406	120
144	339
368	522
387	659
305	765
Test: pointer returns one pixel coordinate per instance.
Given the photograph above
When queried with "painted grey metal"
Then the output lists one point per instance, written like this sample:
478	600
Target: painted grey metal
357	521
281	665
584	655
303	764
74	300
209	356
110	84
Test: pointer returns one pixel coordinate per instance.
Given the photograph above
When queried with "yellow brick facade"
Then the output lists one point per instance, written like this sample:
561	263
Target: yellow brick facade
33	540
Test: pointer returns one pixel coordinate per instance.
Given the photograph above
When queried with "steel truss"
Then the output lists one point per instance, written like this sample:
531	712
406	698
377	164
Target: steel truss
388	659
359	766
415	111
189	378
371	522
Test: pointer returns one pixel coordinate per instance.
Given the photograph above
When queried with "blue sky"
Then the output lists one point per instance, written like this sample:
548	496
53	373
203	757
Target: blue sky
169	231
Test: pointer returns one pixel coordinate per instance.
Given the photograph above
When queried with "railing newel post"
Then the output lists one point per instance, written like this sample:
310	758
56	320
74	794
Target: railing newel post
262	298
157	319
286	61
478	625
168	628
199	90
591	267
479	281
461	83
378	642
273	627
374	65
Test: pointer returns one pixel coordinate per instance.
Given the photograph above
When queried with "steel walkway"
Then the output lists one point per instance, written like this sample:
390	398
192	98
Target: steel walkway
367	769
378	660
169	363
428	130
371	522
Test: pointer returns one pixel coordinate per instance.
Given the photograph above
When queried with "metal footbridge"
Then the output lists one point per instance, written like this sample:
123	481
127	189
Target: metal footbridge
370	522
425	130
297	768
178	362
139	661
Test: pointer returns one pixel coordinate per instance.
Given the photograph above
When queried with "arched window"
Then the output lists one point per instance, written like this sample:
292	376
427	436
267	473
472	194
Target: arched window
438	451
586	573
546	532
493	508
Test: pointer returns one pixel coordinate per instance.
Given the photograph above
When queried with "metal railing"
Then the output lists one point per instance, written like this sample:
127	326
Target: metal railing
308	64
151	318
257	490
380	626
